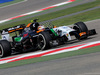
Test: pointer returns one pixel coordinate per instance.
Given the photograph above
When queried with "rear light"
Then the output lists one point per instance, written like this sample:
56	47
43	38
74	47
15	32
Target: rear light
25	35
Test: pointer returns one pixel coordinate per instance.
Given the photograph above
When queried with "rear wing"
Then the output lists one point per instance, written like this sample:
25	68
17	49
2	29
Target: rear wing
12	29
5	32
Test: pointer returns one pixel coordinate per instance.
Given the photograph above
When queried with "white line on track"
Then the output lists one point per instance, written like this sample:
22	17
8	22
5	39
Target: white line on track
73	49
14	4
49	7
49	52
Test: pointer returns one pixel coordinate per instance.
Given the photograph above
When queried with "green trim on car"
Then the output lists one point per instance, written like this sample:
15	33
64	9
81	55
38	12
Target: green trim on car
54	32
17	39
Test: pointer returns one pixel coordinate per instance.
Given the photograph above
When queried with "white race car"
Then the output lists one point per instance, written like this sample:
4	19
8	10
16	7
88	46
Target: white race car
44	38
79	30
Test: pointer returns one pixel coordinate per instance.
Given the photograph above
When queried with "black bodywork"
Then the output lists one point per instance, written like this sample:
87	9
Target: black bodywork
34	40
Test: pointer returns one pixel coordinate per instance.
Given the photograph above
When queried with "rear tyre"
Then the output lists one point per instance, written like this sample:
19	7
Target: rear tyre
5	48
43	40
81	27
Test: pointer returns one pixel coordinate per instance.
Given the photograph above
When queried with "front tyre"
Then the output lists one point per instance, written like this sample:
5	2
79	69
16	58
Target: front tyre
5	48
81	27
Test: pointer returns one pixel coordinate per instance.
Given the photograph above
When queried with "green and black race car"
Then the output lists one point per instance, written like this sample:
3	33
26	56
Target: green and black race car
21	39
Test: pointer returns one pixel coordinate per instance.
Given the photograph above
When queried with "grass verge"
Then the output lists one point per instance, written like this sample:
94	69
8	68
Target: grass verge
51	57
86	16
60	13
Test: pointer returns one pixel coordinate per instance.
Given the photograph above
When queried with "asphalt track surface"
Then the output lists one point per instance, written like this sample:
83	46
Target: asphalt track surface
25	7
32	5
88	64
77	65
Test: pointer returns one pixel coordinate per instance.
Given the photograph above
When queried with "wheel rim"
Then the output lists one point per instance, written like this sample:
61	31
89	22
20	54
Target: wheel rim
41	42
1	51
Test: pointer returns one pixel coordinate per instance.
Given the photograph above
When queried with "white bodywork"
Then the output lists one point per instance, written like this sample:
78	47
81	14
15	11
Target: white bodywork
5	36
65	30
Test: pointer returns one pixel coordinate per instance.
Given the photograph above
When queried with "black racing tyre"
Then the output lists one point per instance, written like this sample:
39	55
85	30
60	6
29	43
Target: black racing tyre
5	48
43	40
81	27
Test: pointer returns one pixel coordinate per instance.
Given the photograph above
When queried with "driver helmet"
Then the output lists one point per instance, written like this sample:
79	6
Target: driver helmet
41	27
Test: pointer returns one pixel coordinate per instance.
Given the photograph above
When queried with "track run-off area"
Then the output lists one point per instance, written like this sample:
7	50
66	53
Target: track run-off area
87	64
90	42
36	11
